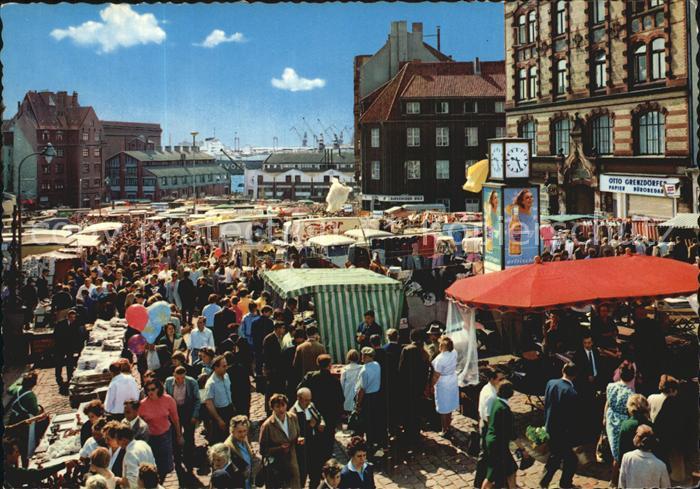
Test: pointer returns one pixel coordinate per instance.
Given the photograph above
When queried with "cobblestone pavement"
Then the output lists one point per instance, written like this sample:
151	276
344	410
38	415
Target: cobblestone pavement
439	462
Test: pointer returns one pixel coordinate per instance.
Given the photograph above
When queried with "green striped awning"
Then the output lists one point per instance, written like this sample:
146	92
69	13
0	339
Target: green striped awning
341	297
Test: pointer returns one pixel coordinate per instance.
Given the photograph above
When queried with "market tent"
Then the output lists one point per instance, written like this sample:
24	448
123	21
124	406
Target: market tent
553	285
341	297
102	227
567	217
682	221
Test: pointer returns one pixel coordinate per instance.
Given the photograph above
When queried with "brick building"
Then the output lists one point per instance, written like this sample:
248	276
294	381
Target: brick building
77	136
303	174
601	88
421	131
130	136
165	174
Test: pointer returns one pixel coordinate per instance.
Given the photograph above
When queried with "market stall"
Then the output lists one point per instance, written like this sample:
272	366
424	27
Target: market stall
341	296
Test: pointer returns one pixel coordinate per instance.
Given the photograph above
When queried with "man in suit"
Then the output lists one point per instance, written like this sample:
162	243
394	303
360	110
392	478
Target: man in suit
307	353
260	328
272	363
587	383
560	414
69	338
391	371
222	320
414	371
185	391
131	415
187	292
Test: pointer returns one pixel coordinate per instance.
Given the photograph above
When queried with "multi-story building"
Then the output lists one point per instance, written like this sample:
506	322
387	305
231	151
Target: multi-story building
302	174
601	89
373	71
163	174
130	136
77	136
421	131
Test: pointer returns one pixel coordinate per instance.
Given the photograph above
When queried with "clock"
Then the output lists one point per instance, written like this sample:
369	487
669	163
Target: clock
496	160
517	159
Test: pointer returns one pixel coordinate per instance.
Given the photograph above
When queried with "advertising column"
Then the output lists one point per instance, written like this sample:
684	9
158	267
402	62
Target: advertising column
493	228
522	227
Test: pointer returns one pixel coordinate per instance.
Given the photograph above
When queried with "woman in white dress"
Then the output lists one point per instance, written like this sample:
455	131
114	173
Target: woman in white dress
445	383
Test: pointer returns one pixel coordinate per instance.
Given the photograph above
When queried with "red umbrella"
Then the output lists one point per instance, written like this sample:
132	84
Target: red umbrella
544	286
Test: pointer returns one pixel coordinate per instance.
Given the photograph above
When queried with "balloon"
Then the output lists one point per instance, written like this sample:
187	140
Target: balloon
159	313
151	332
137	344
137	316
218	252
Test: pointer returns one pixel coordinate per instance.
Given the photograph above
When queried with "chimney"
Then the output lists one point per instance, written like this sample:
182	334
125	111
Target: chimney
178	149
61	99
418	29
477	66
75	99
168	148
438	38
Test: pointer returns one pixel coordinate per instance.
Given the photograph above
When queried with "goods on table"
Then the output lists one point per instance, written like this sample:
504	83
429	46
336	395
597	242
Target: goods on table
91	376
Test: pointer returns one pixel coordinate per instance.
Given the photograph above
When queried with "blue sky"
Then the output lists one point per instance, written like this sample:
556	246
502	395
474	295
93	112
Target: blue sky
151	63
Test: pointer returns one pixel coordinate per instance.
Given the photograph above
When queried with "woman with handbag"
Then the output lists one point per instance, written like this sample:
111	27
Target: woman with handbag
617	394
279	436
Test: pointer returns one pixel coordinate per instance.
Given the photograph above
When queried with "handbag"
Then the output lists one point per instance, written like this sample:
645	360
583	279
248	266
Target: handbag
603	454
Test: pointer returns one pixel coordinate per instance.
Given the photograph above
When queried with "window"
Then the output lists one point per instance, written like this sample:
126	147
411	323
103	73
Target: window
97	167
96	152
560	24
164	181
59	152
442	169
562	129
96	182
58	185
532	82
45	186
471	136
522	84
532	26
86	168
562	82
413	107
59	137
500	132
640	64
376	170
59	168
651	135
528	130
413	136
442	108
45	136
522	33
499	106
85	182
600	75
374	136
658	61
469	106
46	169
86	152
173	180
413	170
442	136
601	132
655	3
598	14
211	177
85	135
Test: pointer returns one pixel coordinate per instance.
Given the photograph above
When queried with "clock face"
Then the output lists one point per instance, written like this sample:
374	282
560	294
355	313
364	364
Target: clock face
517	160
496	160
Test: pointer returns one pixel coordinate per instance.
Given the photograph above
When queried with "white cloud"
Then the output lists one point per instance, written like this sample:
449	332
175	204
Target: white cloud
294	83
217	36
120	27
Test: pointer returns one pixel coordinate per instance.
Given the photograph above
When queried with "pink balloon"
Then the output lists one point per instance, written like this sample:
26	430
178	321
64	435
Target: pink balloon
137	344
218	252
137	316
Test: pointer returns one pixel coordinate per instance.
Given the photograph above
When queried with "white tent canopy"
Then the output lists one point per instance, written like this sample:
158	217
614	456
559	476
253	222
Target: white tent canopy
102	227
682	221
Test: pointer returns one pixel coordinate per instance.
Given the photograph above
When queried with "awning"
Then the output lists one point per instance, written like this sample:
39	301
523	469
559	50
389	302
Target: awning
567	217
86	240
102	227
682	221
341	297
555	285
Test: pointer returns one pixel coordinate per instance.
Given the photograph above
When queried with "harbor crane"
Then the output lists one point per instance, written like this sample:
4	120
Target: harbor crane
304	138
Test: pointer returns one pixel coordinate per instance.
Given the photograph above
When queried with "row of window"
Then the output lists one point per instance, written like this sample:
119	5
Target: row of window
446	107
442	136
183	180
46	186
649	135
97	167
58	169
654	57
95	152
412	169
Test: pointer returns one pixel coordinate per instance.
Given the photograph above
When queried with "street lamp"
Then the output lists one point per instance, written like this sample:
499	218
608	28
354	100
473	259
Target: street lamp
48	152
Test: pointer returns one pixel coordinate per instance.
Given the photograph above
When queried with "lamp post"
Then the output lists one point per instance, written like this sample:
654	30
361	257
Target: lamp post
194	188
48	152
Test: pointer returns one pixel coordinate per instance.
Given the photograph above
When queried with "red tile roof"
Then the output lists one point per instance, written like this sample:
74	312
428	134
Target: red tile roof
50	113
436	80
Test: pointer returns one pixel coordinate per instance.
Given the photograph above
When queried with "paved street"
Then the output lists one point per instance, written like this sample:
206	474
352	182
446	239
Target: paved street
440	463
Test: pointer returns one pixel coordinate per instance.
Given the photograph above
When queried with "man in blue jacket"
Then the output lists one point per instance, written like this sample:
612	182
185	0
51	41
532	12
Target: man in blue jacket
560	415
185	391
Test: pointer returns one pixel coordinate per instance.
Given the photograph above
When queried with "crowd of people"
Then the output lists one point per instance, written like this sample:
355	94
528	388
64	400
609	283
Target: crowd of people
227	337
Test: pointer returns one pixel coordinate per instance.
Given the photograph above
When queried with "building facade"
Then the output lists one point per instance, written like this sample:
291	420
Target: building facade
130	136
301	174
601	89
164	174
373	71
77	136
422	130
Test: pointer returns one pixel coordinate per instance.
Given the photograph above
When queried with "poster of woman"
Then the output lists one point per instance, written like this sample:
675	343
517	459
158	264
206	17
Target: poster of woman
493	227
522	237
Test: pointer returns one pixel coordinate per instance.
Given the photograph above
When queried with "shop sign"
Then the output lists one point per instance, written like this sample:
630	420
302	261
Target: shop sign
394	198
639	185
